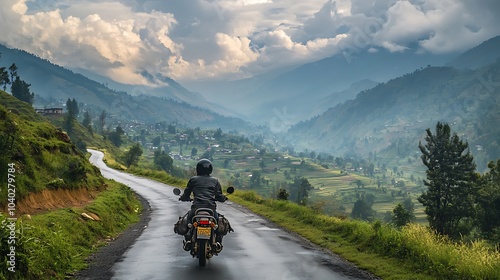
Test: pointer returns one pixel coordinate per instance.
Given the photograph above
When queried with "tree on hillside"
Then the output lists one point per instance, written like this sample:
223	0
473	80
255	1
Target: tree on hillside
87	121
102	121
69	125
488	212
72	107
299	190
116	136
133	155
451	180
208	154
164	161
401	216
410	207
304	188
21	90
157	141
282	194
255	179
362	210
171	129
262	164
13	71
4	78
4	75
218	134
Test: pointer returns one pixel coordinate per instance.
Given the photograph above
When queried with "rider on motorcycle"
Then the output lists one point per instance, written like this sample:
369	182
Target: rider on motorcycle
207	190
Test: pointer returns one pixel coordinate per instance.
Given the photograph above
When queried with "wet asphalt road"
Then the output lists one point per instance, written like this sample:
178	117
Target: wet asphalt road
256	250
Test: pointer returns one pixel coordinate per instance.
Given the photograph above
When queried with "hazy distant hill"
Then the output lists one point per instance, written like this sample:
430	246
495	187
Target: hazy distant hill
56	84
173	91
398	112
479	56
300	90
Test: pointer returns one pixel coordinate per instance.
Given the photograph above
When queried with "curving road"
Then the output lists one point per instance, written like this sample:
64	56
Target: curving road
257	249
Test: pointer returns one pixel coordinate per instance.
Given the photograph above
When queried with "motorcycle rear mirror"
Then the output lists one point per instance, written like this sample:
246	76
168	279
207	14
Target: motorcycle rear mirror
177	191
230	190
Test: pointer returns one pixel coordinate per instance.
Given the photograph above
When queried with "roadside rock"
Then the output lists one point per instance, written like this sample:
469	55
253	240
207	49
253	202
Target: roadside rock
87	216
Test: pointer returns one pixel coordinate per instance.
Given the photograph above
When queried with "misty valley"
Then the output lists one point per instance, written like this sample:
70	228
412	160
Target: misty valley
354	148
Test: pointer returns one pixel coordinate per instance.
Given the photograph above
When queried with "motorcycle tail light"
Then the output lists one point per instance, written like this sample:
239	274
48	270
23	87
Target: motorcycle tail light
204	222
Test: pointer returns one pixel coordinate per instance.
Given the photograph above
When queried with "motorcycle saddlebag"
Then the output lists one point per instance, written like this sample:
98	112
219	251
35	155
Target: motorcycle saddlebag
224	226
181	226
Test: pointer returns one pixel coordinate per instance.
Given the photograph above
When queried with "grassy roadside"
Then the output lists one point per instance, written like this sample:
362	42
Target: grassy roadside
413	252
55	244
300	220
410	253
158	175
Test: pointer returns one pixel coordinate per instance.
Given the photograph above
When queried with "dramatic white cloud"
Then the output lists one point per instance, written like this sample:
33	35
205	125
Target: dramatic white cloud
137	41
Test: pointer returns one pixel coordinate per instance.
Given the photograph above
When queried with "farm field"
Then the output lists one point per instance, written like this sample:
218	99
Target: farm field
335	188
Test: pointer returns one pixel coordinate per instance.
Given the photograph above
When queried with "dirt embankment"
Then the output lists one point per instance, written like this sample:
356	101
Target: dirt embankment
54	199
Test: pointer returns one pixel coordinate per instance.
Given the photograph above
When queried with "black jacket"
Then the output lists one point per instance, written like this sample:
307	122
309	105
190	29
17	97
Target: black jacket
207	190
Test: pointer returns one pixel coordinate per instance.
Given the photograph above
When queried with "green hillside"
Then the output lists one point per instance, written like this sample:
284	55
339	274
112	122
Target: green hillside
52	190
44	156
54	84
479	56
391	118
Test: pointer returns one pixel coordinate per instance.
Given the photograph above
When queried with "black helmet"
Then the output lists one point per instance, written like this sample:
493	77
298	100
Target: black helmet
204	167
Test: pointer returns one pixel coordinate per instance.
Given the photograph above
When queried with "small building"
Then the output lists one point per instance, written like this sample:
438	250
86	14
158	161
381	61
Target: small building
49	111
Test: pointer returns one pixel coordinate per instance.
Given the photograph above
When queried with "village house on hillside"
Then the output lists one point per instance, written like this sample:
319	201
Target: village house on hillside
49	111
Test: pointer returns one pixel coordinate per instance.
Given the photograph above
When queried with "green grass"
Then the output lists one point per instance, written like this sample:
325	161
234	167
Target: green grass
55	244
414	252
158	175
40	152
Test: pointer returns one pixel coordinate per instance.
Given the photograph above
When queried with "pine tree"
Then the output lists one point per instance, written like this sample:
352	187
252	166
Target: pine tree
13	71
488	212
451	179
87	121
102	121
21	90
401	216
4	78
72	107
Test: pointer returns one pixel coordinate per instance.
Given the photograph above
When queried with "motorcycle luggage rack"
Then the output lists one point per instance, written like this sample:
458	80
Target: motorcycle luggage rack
210	216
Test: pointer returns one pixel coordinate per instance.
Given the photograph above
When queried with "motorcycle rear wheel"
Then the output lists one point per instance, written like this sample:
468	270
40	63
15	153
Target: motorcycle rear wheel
202	252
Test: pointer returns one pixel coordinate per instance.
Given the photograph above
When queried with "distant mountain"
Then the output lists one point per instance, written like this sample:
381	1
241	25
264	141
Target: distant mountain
340	96
231	94
173	91
55	84
395	114
299	91
479	56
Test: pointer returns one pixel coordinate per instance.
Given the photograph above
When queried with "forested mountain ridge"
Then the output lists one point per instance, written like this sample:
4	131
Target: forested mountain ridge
54	84
397	113
299	90
478	56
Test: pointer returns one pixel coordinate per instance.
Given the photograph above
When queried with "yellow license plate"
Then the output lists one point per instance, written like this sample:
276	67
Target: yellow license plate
203	232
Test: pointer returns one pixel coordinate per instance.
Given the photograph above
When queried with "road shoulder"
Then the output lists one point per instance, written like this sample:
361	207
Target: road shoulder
101	262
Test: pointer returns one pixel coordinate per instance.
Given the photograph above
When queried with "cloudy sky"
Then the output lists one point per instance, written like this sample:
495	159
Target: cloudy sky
129	40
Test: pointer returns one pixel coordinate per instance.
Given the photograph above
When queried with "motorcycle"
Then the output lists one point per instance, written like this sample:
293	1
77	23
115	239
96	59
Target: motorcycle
206	232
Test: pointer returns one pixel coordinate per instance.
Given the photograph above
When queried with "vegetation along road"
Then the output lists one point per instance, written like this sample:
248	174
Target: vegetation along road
256	250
